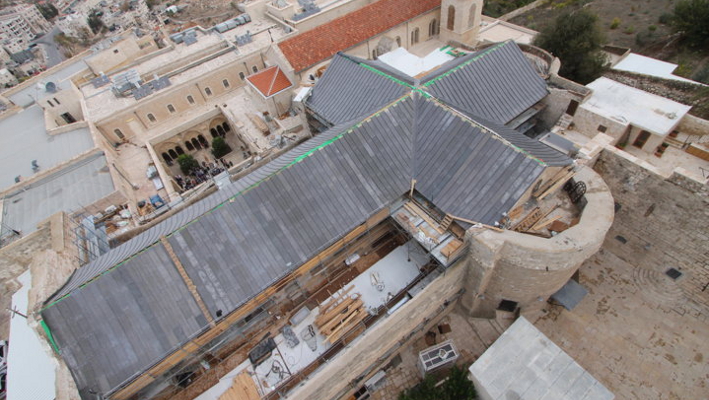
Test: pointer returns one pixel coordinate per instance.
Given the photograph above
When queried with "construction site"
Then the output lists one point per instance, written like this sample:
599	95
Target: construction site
393	202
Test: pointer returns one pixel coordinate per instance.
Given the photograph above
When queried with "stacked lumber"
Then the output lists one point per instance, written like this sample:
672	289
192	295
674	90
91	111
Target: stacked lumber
339	315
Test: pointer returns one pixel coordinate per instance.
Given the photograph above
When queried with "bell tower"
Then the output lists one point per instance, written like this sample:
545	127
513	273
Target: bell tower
460	20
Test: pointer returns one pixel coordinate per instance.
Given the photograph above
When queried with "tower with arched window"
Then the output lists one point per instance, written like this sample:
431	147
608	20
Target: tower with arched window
460	20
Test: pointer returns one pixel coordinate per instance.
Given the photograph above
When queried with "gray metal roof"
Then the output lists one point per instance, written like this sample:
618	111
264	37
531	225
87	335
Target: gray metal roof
238	242
496	84
350	90
16	154
69	189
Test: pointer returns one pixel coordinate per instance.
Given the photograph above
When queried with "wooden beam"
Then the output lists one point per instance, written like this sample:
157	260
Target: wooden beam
411	191
494	228
545	223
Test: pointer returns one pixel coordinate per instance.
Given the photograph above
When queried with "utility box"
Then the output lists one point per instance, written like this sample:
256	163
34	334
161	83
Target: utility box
436	357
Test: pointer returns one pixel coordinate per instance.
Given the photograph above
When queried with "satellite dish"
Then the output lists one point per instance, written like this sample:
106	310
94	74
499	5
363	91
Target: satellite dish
51	87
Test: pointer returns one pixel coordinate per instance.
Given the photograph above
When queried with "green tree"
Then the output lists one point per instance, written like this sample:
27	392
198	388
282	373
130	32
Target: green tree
95	23
691	18
220	147
187	163
48	11
456	387
576	39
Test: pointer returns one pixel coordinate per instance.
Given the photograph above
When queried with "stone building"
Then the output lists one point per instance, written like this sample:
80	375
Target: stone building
22	22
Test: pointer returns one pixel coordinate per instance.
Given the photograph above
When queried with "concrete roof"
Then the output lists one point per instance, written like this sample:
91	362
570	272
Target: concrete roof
60	77
649	66
524	364
68	189
494	30
23	138
628	105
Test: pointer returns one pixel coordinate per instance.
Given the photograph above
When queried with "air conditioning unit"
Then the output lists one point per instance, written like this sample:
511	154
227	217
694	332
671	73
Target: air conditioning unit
437	356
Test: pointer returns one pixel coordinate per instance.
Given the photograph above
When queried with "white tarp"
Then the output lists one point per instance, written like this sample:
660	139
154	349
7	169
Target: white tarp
413	65
30	370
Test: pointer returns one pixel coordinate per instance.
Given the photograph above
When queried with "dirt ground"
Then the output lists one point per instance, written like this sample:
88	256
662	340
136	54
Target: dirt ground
627	23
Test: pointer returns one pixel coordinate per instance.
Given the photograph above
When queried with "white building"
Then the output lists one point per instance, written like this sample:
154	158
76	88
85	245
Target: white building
7	78
74	25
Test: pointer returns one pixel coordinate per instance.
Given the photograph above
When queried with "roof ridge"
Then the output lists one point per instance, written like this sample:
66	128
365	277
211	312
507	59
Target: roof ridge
352	126
273	81
474	57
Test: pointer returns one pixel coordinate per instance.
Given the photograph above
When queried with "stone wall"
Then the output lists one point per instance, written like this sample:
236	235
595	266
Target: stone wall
353	365
661	223
528	269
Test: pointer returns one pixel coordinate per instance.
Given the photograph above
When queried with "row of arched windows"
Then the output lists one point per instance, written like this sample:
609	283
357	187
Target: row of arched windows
196	143
220	130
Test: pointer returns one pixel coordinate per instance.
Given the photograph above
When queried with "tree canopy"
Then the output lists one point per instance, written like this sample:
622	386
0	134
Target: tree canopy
456	387
576	39
691	18
48	10
187	163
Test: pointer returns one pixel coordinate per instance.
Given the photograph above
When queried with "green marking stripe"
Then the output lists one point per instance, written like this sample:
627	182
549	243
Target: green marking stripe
50	336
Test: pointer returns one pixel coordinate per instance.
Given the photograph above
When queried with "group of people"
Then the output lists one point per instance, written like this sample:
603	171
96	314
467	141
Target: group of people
203	173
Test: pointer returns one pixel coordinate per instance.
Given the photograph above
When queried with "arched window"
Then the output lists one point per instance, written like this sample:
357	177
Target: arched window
451	18
374	54
151	117
255	69
173	154
203	141
226	127
214	132
190	99
56	101
225	82
241	76
415	36
471	18
189	146
167	158
171	108
208	91
221	130
179	150
119	133
196	144
50	103
433	28
398	41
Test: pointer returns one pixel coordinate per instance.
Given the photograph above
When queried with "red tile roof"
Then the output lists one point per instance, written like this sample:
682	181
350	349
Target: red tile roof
270	81
315	45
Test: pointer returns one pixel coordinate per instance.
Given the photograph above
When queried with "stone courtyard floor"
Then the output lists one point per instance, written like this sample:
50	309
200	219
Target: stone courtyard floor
628	332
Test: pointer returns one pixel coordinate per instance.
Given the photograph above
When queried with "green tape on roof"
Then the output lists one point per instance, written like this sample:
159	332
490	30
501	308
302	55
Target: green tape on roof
50	336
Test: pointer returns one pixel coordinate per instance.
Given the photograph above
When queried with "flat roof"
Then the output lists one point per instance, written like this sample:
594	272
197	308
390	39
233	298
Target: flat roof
413	65
493	30
60	77
650	66
524	364
628	105
69	189
24	138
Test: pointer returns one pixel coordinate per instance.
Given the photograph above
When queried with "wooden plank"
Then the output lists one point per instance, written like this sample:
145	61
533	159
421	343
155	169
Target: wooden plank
321	319
242	387
545	223
557	185
451	247
529	220
334	299
337	319
516	212
414	208
339	330
553	180
494	228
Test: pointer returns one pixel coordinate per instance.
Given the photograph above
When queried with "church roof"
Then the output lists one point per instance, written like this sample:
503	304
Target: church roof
315	45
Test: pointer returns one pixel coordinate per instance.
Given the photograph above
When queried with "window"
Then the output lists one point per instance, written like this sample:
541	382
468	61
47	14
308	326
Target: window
208	91
203	141
50	103
190	99
115	51
196	144
225	83
68	118
179	150
214	132
226	127
151	117
241	76
255	69
374	54
170	108
221	131
451	18
415	36
602	129
173	153
432	28
189	146
398	41
119	133
56	101
471	17
167	158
